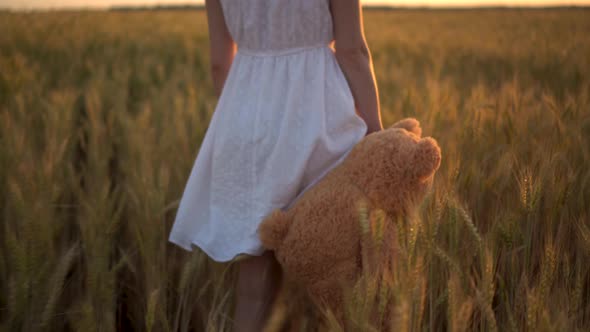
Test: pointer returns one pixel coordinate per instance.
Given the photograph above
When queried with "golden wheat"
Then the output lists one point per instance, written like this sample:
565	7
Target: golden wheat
102	114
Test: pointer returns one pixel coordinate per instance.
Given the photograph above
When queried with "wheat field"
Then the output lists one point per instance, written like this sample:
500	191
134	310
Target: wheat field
102	113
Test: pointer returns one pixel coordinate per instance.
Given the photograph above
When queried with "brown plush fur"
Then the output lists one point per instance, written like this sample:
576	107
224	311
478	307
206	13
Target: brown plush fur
318	241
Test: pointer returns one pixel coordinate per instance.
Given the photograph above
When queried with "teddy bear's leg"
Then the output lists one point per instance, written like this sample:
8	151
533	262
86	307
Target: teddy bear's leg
273	229
409	124
327	295
330	291
291	311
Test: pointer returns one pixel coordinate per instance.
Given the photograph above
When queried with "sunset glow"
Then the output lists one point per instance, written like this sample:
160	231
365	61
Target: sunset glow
34	4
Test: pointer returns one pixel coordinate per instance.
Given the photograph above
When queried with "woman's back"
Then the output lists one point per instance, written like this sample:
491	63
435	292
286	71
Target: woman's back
278	25
285	117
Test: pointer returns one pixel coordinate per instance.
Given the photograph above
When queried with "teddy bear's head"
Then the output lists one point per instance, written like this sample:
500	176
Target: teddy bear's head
394	167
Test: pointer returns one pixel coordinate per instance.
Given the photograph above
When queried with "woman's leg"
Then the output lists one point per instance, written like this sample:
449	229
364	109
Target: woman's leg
258	283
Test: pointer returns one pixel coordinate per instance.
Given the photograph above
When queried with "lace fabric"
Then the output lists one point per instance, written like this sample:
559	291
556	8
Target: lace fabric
274	25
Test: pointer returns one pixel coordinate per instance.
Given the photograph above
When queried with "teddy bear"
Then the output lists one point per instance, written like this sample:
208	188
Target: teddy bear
318	241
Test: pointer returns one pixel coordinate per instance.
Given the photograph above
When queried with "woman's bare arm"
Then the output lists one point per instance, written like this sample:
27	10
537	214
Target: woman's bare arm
222	46
354	57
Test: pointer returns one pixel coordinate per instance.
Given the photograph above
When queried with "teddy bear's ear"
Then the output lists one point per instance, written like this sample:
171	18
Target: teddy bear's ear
410	124
427	157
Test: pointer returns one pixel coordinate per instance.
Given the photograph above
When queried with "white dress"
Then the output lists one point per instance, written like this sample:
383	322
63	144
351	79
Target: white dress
286	116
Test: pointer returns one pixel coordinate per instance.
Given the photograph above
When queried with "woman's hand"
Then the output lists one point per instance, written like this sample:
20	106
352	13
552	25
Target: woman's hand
373	130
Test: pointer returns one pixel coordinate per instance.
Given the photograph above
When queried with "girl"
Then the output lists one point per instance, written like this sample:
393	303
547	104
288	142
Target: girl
296	92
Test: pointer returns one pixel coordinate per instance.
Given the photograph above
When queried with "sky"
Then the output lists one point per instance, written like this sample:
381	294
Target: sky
37	4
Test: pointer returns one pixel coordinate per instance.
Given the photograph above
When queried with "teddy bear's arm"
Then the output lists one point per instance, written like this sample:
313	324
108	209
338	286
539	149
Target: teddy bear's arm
273	229
409	124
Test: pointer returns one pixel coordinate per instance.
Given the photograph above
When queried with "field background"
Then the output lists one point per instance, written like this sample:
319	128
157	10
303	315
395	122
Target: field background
102	114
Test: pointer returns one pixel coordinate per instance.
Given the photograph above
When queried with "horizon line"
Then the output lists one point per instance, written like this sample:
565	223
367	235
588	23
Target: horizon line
181	5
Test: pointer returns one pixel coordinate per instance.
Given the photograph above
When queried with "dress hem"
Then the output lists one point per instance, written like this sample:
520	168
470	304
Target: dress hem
188	246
